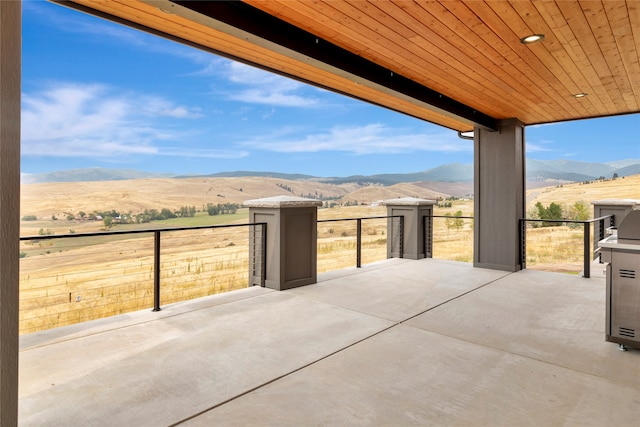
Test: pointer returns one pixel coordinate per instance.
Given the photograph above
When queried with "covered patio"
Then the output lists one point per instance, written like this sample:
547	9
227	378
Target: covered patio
400	342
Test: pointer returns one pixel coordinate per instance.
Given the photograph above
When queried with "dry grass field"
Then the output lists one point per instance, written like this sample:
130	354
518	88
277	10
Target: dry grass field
567	194
88	278
73	280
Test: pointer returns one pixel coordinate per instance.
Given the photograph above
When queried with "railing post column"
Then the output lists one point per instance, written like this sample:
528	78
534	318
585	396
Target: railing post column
263	253
587	250
292	240
415	228
523	243
156	271
358	243
401	237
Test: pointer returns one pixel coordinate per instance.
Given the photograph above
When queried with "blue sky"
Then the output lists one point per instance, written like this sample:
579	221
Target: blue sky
97	94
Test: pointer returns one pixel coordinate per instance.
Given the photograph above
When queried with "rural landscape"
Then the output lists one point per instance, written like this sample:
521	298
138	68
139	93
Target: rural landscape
71	280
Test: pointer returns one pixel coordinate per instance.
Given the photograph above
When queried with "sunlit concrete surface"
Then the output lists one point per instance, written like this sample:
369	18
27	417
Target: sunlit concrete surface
399	342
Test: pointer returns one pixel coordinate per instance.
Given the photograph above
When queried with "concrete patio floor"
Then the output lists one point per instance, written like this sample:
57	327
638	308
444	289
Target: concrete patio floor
396	343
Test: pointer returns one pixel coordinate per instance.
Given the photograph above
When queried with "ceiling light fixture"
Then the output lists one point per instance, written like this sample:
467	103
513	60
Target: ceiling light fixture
531	39
579	95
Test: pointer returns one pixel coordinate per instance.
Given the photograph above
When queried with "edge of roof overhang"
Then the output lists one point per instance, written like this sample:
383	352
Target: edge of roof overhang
439	103
246	22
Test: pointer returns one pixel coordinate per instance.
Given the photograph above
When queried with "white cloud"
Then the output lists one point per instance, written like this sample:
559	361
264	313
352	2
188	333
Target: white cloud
203	153
154	106
92	120
540	146
262	87
368	139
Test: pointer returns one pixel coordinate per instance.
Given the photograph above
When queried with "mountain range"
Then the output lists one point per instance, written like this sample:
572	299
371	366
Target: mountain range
537	171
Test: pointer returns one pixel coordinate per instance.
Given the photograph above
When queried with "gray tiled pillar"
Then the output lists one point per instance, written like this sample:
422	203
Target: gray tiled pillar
10	56
499	195
417	227
292	238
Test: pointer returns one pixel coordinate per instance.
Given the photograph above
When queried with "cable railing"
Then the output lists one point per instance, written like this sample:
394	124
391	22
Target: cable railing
558	245
556	241
449	237
345	242
72	278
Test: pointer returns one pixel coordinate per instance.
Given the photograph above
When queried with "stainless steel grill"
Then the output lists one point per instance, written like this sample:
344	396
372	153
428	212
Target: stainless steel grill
621	252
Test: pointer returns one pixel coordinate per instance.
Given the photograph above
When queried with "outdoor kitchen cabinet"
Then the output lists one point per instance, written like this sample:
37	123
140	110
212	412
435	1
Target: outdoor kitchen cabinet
621	252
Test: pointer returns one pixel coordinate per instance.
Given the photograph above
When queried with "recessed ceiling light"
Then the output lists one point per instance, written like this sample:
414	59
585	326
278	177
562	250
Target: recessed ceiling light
579	95
531	39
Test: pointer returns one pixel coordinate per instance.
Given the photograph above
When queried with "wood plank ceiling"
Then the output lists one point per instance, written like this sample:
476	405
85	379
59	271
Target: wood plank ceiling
455	63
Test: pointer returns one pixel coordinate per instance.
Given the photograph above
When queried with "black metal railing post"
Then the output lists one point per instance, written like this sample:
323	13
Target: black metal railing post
392	231
359	243
600	232
600	237
523	244
587	250
588	254
427	226
156	271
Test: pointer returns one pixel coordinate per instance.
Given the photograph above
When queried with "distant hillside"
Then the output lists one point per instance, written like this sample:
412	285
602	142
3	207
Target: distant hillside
88	175
629	170
45	200
374	193
538	171
136	195
453	172
239	174
567	170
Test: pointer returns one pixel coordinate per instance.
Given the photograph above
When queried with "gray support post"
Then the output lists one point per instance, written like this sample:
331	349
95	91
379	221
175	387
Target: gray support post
414	211
499	195
10	51
292	239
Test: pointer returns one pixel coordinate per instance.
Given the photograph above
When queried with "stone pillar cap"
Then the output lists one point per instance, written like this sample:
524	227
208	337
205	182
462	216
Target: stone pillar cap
408	201
622	202
282	202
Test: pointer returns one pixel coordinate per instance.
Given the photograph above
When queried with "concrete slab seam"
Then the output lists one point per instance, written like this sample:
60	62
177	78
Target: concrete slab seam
332	353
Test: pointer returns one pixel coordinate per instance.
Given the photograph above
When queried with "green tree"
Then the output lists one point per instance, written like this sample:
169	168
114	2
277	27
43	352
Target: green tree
580	211
458	222
554	211
448	220
167	214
